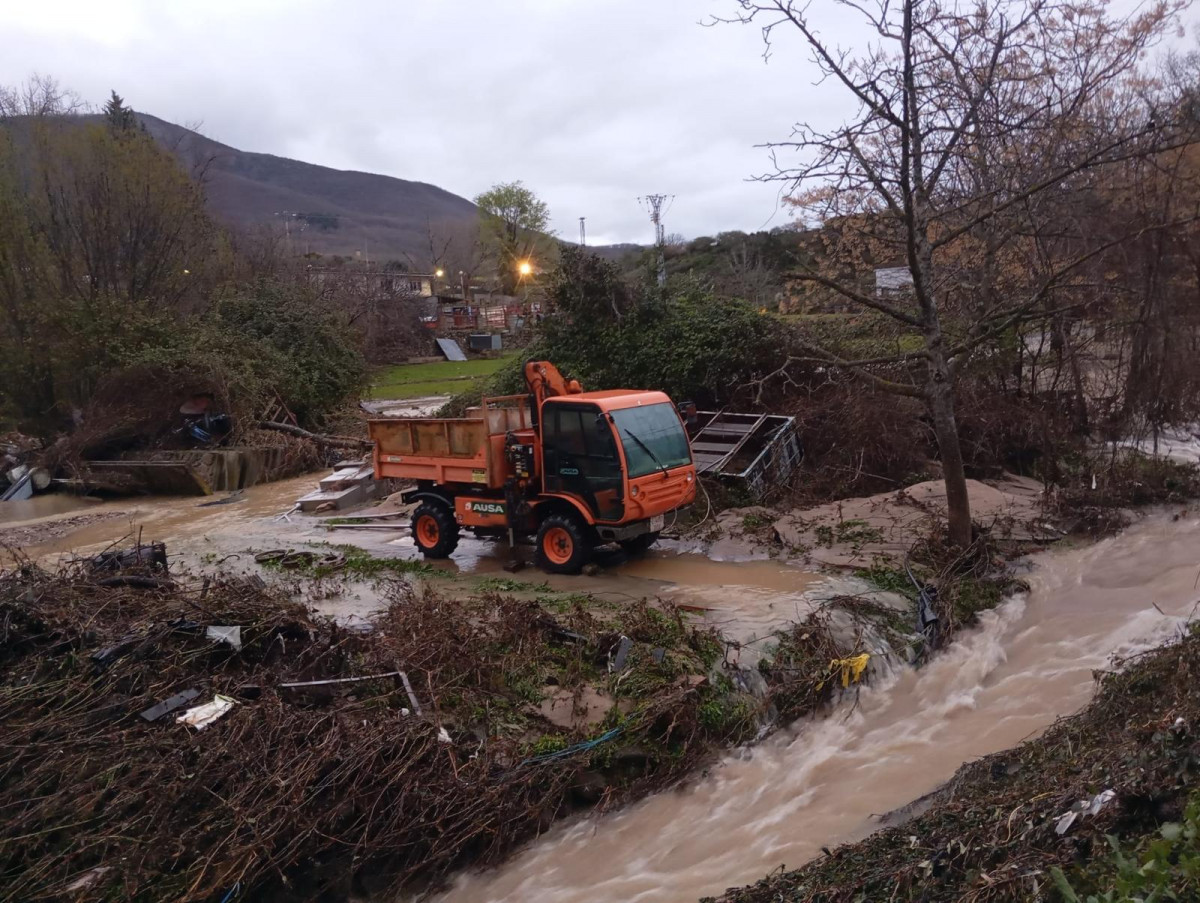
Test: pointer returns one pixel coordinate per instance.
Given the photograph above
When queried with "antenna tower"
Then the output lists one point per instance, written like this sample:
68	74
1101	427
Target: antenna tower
582	233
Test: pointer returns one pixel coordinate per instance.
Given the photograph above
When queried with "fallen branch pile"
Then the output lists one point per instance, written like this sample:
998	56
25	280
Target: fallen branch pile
297	793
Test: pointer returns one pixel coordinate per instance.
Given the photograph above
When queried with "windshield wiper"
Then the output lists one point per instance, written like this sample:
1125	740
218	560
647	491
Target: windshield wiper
646	449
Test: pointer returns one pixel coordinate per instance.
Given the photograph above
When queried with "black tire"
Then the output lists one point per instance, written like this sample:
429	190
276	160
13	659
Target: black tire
639	545
564	544
434	529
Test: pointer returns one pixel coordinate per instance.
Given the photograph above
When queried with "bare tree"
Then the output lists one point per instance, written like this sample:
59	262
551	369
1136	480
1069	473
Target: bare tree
39	95
749	277
970	114
449	245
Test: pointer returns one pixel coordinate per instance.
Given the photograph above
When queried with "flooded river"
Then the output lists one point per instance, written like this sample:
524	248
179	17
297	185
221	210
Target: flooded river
1028	663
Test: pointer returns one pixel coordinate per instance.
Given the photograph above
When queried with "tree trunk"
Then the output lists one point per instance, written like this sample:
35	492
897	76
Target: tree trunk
1082	420
332	441
941	406
939	386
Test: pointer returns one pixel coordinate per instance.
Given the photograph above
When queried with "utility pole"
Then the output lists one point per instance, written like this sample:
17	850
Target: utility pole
582	233
653	204
287	229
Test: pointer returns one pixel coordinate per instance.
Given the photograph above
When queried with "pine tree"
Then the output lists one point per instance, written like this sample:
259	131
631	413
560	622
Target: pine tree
120	117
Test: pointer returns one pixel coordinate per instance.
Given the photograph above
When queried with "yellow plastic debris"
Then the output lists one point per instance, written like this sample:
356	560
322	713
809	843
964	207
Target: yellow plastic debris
852	668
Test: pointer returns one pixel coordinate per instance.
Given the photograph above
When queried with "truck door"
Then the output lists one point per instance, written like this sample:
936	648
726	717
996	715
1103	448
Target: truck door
580	458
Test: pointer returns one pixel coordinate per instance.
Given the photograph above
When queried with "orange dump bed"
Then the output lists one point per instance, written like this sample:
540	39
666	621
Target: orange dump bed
459	450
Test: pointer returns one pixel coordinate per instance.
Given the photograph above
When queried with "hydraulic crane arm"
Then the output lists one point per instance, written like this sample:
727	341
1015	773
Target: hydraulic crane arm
545	381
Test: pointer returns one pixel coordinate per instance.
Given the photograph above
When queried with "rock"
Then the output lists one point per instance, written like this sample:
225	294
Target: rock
748	680
589	787
630	756
573	709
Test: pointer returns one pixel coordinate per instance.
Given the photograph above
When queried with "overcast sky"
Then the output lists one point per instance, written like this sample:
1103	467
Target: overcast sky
590	102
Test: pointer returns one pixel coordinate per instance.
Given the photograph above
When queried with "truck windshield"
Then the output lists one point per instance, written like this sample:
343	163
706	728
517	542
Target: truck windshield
653	438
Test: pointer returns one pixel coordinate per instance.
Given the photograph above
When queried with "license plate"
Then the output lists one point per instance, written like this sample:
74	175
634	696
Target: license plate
656	523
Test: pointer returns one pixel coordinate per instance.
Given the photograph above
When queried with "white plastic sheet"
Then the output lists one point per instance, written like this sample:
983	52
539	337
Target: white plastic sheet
202	716
230	635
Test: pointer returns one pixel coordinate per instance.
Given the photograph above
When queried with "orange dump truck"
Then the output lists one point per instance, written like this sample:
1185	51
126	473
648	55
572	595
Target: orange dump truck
575	469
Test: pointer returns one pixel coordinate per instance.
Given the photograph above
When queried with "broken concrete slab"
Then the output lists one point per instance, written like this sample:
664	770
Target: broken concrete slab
349	485
346	475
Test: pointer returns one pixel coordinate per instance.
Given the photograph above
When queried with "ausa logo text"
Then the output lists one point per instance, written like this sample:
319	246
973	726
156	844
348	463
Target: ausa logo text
486	507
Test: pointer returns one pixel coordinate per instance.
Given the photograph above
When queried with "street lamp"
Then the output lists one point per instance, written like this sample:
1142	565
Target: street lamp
440	273
524	268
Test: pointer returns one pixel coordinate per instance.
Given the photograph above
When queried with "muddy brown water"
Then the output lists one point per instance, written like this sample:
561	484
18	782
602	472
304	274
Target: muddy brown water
45	505
825	782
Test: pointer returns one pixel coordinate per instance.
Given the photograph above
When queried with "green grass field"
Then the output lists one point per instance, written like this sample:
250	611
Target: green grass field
436	378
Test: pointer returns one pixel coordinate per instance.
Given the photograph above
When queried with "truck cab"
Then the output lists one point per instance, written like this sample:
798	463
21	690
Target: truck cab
625	455
574	469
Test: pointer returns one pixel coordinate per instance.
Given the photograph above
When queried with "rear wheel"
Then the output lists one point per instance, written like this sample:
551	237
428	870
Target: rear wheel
639	544
562	544
434	530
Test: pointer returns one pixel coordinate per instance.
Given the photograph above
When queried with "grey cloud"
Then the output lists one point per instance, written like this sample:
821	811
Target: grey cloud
590	103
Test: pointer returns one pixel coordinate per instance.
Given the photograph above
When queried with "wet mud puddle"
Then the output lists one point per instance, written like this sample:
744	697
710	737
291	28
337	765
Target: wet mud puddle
826	782
744	599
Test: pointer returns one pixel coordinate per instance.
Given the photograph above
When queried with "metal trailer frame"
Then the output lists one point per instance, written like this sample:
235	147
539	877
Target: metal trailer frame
757	450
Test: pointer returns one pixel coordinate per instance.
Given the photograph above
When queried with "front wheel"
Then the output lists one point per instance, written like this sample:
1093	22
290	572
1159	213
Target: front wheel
562	545
434	530
639	544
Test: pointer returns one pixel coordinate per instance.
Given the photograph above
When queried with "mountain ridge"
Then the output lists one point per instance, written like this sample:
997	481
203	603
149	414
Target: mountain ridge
331	211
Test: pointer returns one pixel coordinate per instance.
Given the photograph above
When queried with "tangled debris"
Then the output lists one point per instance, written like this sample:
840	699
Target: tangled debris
1035	821
345	761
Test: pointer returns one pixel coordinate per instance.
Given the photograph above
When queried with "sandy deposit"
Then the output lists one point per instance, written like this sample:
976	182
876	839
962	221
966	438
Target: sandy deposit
856	532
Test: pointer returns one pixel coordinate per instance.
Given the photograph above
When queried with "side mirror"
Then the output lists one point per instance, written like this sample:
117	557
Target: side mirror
687	411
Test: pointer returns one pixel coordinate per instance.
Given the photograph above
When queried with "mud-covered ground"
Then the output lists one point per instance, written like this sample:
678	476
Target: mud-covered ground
43	532
859	533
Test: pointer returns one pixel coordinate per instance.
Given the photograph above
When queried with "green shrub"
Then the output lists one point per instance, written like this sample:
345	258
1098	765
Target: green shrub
688	342
1163	866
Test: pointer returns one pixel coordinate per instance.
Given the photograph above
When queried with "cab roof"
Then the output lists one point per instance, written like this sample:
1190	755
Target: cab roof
615	399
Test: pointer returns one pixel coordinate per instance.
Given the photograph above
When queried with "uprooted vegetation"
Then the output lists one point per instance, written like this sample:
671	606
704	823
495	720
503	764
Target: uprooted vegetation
316	792
1000	829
